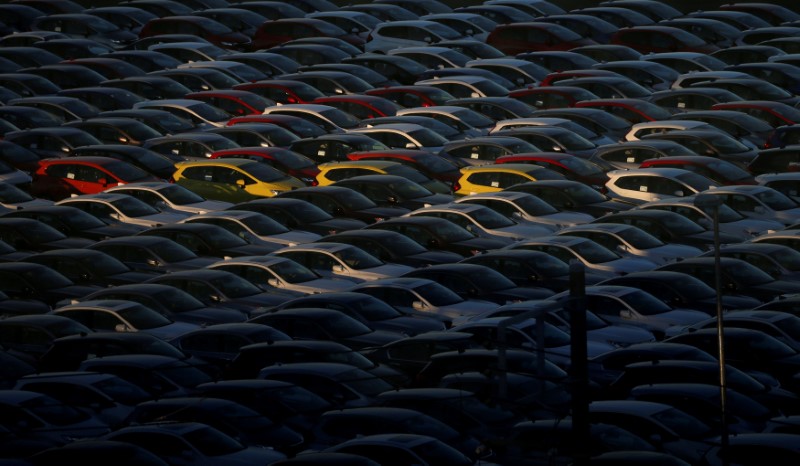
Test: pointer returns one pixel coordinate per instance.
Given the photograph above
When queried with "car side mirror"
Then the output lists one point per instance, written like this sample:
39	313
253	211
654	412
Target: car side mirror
391	200
419	306
622	248
433	243
115	216
760	210
122	328
240	183
411	145
626	314
337	268
214	298
153	263
103	181
274	282
428	39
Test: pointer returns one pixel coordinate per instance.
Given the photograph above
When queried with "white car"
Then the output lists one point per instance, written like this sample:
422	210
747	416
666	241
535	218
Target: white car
169	196
468	121
115	207
282	273
404	136
409	33
656	127
254	227
524	207
331	119
339	260
787	183
759	202
651	184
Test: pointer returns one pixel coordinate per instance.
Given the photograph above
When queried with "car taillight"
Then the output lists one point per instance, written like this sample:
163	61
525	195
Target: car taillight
456	186
314	183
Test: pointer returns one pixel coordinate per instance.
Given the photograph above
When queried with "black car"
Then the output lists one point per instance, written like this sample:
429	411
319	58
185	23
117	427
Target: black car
52	142
368	310
344	202
669	227
30	336
205	239
394	247
162	166
528	268
682	290
738	277
299	214
89	267
438	234
160	120
218	344
572	196
27	280
72	221
473	281
334	147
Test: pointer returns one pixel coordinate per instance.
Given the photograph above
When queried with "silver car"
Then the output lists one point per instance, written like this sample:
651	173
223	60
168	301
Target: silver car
484	222
590	254
759	202
338	260
254	227
170	196
631	241
280	272
114	208
525	207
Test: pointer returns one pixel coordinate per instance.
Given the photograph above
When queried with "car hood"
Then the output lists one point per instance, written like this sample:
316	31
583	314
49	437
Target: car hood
564	219
170	331
625	265
426	201
680	317
621	336
382	271
209	316
749	228
321	285
291	238
162	218
16	178
668	253
522	231
69	243
260	249
333	225
383	213
28	204
203	207
433	257
409	325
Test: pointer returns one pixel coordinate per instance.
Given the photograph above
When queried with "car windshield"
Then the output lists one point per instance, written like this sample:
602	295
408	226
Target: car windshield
179	195
357	258
304	128
354	200
695	181
293	272
583	194
581	167
171	122
438	294
633	90
726	144
473	118
748	275
212	442
593	253
340	118
639	238
143	318
408	189
435	163
234	286
299	399
104	265
65	328
170	251
292	159
644	303
373	309
488	218
489	279
684	425
127	172
307	212
221	238
364	383
263	225
12	194
681	225
427	138
775	200
449	232
728	170
177	300
572	141
209	112
38	232
342	326
532	205
121	391
54	412
788	258
263	172
132	207
553	337
727	214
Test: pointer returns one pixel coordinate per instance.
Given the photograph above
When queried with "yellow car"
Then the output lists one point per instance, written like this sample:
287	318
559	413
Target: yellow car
496	177
332	172
233	180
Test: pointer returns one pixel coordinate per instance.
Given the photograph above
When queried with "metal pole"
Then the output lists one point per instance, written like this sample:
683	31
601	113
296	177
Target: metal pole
723	398
578	364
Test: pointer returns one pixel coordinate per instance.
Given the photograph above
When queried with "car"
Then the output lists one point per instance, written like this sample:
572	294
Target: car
709	142
411	447
468	121
360	106
151	253
26	234
438	234
219	343
344	202
215	287
639	130
103	98
634	110
146	60
773	323
759	202
284	91
404	136
281	273
28	117
781	137
753	89
161	120
175	304
206	239
473	83
114	207
88	267
215	445
297	214
123	316
434	165
337	260
410	96
485	222
738	277
710	30
300	127
496	177
774	259
482	150
572	196
388	36
630	154
370	311
670	227
553	134
288	161
774	113
719	171
51	142
233	180
22	350
211	30
66	75
57	179
594	119
254	227
473	281
651	184
333	172
394	191
570	166
233	101
276	32
73	222
687	62
658	38
632	241
526	36
782	182
201	114
189	146
158	165
169	196
526	208
737	124
756	444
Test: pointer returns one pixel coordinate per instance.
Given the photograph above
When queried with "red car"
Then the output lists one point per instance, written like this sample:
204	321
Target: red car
572	167
721	171
660	39
282	91
514	38
57	179
361	106
285	160
302	128
412	96
430	164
